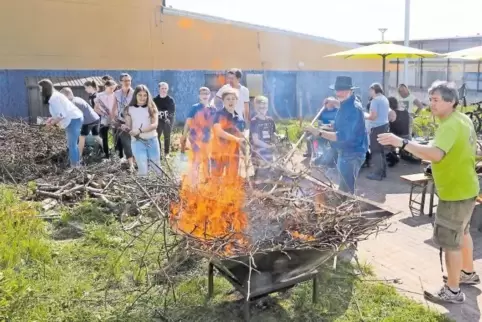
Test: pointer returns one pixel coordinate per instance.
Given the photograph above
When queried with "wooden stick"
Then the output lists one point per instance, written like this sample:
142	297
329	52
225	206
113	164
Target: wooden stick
295	147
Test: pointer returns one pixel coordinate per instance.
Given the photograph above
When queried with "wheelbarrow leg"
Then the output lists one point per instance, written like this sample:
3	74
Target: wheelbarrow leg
210	280
315	289
247	316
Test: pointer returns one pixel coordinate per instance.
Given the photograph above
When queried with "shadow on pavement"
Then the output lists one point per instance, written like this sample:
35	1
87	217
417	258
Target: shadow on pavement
417	221
469	311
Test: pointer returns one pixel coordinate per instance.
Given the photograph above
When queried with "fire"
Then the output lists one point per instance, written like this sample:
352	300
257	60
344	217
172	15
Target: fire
298	235
211	201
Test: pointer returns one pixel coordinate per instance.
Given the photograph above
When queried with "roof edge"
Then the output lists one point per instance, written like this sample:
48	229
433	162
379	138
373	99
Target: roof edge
475	37
215	19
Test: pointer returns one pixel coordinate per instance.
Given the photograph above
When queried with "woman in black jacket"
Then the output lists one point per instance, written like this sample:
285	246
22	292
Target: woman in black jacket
399	119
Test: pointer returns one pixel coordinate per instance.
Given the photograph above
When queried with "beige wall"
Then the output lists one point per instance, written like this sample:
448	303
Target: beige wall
129	34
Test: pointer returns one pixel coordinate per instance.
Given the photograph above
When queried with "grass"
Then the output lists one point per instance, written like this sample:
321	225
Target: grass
99	277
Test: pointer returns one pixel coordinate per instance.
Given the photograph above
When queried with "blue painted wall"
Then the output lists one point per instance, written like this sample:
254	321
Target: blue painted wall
280	86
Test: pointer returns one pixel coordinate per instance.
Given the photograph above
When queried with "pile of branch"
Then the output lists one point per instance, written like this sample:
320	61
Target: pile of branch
111	185
28	151
295	214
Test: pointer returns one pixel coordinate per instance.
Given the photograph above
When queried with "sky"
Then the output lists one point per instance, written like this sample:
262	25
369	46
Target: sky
350	20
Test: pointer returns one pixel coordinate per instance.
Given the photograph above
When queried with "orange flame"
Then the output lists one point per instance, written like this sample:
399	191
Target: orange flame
298	235
212	192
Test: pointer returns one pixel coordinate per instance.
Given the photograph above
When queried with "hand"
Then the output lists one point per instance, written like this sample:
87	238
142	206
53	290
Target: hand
134	133
48	122
125	128
167	121
311	129
390	139
241	140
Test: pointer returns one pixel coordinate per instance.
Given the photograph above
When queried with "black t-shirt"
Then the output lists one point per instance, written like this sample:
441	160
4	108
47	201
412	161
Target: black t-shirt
165	106
265	129
401	126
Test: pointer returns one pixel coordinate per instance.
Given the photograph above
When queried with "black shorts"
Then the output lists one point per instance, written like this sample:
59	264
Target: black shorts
92	127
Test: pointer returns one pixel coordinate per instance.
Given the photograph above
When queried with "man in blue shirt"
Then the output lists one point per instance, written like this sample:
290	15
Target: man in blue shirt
349	136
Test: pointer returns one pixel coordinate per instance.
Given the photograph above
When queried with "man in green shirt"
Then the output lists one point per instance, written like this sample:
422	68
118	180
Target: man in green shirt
453	168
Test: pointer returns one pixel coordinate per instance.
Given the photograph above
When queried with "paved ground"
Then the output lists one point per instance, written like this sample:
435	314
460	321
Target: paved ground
405	253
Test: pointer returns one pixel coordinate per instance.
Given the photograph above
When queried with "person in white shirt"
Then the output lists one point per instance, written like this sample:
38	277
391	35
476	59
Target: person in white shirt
64	114
233	78
141	119
123	98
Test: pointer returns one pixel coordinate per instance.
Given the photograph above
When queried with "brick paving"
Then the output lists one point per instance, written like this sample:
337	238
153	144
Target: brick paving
405	251
404	256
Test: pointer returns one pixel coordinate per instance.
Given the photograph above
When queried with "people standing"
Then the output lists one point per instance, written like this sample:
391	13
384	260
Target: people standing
409	102
262	137
452	156
65	114
378	123
324	154
399	124
399	119
327	117
141	124
198	129
233	77
104	102
91	123
166	108
91	88
349	136
227	138
106	78
123	98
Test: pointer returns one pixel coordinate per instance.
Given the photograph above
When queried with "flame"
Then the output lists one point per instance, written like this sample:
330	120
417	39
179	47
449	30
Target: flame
298	235
211	197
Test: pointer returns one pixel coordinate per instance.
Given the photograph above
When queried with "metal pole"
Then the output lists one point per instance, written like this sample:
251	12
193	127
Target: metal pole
383	30
406	40
398	72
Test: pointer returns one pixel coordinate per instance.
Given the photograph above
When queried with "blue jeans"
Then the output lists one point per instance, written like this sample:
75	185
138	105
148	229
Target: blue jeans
73	133
147	154
349	165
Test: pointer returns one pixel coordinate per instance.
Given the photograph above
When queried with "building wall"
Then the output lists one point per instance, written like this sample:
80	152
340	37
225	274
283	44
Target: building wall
89	37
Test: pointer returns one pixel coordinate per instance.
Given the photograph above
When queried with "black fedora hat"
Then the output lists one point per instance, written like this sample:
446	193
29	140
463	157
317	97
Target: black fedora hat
343	83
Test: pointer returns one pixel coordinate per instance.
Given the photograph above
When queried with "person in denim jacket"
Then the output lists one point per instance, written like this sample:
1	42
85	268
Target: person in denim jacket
349	137
323	153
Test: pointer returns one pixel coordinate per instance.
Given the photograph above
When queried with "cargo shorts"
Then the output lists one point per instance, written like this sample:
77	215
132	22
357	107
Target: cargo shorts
452	222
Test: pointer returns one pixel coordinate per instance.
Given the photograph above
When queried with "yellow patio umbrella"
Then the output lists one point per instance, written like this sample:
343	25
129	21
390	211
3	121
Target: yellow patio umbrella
474	53
385	50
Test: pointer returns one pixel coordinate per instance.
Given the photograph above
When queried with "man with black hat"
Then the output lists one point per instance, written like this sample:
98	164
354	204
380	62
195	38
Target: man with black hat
349	136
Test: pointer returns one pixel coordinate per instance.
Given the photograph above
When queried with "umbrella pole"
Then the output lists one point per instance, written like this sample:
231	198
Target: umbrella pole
383	73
